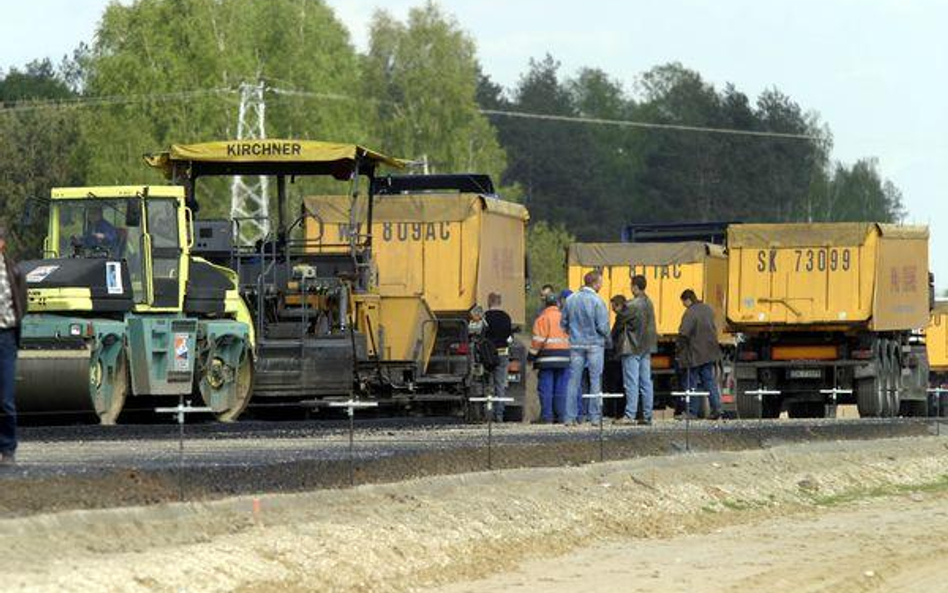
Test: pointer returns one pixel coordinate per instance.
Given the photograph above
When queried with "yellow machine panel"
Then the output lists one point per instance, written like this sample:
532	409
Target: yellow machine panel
834	274
936	338
452	250
669	268
406	329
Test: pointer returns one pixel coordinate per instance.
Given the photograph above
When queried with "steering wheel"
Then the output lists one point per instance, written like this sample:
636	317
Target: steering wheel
80	249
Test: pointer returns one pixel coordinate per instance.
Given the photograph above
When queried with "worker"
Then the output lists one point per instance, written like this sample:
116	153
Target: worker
634	340
12	309
699	337
99	231
545	291
584	380
498	329
549	352
586	321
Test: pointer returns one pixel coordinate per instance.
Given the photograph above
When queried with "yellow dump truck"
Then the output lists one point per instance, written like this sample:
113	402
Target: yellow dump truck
669	268
936	343
441	244
827	312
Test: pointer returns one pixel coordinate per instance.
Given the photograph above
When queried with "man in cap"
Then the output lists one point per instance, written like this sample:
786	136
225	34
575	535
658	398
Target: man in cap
12	309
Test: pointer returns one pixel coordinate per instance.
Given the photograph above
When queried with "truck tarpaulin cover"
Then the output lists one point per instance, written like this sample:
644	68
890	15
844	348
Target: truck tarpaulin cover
650	254
411	208
816	234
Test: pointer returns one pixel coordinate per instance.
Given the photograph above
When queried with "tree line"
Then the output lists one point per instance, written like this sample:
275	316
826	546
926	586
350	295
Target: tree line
165	71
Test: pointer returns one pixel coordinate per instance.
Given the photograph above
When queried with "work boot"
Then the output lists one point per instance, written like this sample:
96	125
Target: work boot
644	422
623	421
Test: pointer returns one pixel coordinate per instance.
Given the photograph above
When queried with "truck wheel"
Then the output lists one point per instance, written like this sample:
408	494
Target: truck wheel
895	378
871	392
748	406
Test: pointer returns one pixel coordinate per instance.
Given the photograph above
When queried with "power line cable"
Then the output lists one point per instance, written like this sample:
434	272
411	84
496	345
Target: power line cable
106	100
640	124
31	105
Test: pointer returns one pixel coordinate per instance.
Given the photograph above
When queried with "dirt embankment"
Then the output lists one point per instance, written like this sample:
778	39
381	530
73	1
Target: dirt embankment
896	544
398	537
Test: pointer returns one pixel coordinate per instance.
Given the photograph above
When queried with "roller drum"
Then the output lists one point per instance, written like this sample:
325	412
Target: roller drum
52	381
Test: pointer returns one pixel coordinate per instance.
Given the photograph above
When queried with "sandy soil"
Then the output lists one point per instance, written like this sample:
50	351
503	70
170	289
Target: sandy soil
684	516
895	544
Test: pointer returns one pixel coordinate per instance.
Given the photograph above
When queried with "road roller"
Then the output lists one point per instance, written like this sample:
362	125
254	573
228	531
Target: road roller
119	307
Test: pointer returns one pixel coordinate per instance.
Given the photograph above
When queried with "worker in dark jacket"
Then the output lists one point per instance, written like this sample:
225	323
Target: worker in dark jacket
12	310
635	339
498	329
699	338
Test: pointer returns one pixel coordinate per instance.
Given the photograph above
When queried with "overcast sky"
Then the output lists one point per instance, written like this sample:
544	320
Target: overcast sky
875	70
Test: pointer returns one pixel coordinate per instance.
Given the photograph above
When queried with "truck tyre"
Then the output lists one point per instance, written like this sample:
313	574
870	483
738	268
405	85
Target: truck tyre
871	392
895	378
748	406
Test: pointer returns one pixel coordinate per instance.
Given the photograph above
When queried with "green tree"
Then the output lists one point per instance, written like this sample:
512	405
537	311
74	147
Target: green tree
171	58
546	249
38	147
552	161
857	193
38	80
422	76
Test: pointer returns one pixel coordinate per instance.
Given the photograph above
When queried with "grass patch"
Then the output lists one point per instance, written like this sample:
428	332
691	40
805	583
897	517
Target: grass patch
736	505
828	500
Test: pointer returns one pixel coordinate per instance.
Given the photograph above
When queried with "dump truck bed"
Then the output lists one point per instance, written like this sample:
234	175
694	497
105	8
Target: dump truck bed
828	274
450	249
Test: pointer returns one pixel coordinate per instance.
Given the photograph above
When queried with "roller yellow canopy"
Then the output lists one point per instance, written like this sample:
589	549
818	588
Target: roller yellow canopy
269	156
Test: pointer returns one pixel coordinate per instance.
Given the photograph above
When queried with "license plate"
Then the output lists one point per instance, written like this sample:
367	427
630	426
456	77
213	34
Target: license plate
513	378
806	373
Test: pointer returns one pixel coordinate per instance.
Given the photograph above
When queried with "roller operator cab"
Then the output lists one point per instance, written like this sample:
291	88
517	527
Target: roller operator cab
829	313
119	307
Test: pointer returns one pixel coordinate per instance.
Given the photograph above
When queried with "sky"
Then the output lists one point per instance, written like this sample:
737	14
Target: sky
875	70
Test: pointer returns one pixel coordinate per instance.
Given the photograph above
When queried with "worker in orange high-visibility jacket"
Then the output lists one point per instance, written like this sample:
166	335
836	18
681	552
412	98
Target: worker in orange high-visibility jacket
549	351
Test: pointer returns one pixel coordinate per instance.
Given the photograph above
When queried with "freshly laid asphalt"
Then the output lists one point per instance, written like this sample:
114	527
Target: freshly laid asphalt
67	467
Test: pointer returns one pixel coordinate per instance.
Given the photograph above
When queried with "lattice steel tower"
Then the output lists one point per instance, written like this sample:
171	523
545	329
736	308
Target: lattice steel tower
248	196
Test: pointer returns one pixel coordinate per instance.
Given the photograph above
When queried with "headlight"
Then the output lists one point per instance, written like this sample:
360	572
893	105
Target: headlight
75	330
